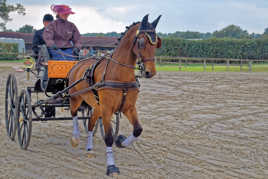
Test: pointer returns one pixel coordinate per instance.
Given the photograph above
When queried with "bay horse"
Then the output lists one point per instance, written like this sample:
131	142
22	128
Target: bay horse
115	85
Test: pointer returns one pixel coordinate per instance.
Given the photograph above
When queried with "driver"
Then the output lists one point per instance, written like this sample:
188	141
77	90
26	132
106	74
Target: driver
62	36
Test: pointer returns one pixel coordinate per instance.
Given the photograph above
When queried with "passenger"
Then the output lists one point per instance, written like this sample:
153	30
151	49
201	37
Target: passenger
61	36
38	38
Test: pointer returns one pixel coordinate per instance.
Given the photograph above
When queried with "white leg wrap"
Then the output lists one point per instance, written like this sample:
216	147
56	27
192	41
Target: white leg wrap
76	132
129	140
90	140
109	156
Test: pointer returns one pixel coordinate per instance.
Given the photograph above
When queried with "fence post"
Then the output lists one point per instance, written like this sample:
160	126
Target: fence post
204	65
241	65
185	64
158	60
180	65
250	65
228	65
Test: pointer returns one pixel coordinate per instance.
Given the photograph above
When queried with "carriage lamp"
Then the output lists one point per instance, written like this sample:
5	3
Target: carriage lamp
28	65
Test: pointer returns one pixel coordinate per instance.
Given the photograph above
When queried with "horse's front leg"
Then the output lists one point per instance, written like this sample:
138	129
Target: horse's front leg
106	119
132	116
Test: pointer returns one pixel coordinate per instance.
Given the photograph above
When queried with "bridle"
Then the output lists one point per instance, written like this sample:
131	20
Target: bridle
141	45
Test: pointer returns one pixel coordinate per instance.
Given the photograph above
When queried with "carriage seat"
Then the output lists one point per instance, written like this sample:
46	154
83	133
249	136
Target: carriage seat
54	77
59	69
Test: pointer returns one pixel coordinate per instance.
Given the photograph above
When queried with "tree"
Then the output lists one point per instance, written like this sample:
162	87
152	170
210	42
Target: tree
265	31
26	29
6	9
231	31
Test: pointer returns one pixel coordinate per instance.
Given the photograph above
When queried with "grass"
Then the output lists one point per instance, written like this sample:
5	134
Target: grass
193	67
217	68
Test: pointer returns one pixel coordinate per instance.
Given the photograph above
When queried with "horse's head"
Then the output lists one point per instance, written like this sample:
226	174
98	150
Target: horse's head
145	44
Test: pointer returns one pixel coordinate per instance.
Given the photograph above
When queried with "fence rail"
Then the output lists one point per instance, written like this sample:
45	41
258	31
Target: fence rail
205	62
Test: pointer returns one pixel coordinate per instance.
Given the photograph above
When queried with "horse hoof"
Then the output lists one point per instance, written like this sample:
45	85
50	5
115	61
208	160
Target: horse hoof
119	141
112	170
75	141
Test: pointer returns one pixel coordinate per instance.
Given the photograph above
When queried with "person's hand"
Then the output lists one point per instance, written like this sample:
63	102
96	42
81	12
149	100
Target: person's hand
76	51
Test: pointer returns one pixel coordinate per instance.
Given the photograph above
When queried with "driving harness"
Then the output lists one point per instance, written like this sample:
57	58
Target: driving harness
117	85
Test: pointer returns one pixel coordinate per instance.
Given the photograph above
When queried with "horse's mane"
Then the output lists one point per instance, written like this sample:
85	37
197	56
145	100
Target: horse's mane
117	43
124	33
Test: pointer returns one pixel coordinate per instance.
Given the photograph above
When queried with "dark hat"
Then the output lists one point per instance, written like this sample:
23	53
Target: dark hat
48	17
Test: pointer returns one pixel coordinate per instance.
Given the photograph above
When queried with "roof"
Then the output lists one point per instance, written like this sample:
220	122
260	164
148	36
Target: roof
86	41
99	41
27	37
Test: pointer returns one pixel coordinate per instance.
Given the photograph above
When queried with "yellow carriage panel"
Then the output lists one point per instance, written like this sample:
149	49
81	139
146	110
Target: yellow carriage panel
59	69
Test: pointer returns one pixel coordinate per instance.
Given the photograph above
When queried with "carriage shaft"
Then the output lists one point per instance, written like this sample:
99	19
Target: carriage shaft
58	118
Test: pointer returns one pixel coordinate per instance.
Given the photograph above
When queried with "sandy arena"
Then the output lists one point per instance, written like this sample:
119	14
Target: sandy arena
196	125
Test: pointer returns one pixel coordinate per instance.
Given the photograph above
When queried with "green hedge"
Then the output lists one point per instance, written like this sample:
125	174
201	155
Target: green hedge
215	48
8	51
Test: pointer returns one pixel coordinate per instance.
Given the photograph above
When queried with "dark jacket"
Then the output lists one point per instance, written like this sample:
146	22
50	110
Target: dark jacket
62	34
38	40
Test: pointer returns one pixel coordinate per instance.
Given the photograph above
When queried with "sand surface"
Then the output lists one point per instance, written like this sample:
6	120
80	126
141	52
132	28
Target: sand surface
196	125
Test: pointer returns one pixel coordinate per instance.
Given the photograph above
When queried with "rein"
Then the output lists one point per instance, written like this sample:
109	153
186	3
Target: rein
65	54
122	64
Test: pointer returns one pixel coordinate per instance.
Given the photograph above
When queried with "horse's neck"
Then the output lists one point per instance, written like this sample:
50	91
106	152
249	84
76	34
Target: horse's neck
123	55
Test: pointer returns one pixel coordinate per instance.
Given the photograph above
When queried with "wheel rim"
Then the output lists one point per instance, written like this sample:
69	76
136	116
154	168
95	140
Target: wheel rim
10	106
24	119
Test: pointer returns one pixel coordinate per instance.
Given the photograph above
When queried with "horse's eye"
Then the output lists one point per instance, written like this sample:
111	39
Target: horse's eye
141	43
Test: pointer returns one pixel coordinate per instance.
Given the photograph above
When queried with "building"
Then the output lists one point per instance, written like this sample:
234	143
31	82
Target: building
20	42
97	43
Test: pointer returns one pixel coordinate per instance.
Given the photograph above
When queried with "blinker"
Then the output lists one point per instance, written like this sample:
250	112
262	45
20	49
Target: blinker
150	35
141	43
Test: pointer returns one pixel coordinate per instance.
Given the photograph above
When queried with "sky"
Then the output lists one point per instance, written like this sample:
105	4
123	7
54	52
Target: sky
177	15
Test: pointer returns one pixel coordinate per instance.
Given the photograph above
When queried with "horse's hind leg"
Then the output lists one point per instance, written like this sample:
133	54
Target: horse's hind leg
91	101
132	116
75	103
93	119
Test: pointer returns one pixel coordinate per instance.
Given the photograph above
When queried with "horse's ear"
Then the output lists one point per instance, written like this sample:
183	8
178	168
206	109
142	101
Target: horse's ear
159	42
144	22
155	22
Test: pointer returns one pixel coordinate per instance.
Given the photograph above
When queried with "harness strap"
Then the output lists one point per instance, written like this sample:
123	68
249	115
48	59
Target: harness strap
118	85
108	84
125	90
90	76
148	59
122	64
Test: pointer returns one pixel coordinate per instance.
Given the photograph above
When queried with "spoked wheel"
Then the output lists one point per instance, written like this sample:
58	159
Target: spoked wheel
24	119
87	112
115	126
10	106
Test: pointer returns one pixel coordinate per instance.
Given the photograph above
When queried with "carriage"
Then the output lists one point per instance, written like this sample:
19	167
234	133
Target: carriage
95	90
21	109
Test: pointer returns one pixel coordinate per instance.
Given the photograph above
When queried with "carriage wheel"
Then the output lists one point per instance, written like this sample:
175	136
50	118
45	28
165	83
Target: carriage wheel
88	113
24	122
10	106
115	126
